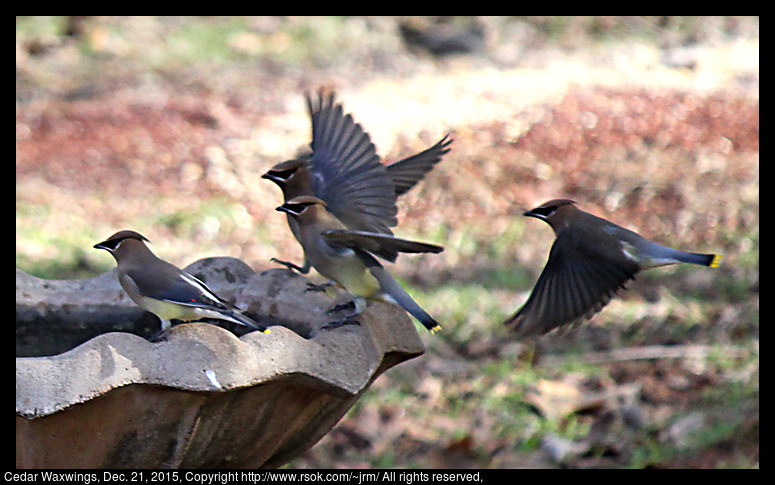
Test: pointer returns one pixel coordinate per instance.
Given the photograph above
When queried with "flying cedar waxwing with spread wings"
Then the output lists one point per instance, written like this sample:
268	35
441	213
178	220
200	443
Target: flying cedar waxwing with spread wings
344	170
340	202
591	259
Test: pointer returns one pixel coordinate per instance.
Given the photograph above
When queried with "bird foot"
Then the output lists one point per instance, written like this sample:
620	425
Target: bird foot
288	265
314	287
159	336
349	320
350	305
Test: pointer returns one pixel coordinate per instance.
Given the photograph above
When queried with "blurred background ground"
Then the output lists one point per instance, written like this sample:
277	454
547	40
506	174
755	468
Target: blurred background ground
165	125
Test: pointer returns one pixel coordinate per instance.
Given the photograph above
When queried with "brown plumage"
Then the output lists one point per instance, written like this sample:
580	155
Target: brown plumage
590	260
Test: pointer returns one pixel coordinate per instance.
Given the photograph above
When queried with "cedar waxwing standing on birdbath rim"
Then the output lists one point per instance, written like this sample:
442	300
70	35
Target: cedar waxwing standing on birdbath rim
339	169
344	256
162	288
340	202
589	262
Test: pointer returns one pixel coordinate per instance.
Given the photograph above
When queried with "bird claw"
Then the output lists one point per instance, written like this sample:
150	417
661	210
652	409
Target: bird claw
287	264
314	287
350	305
159	336
349	320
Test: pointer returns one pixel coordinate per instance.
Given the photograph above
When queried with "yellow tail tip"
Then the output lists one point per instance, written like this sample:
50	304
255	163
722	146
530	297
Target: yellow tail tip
716	261
435	329
266	330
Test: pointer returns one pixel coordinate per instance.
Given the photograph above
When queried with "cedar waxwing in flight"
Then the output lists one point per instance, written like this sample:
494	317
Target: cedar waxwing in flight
590	261
163	289
345	257
344	171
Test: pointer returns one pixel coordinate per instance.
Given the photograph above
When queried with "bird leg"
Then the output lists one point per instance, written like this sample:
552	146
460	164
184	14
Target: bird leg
323	287
350	305
160	336
301	269
348	320
358	304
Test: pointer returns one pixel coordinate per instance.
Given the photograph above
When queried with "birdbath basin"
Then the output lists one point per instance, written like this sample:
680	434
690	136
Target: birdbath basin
93	392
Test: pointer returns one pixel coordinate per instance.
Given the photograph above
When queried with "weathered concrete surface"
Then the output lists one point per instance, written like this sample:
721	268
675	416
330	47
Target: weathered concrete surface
204	397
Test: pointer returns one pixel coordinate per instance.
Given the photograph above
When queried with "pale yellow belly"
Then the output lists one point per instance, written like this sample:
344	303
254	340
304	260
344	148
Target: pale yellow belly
352	275
168	311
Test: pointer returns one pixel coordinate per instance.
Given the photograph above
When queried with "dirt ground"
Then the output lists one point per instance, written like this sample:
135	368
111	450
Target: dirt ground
168	124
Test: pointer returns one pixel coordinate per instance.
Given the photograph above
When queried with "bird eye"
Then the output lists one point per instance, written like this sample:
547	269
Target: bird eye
296	208
546	211
112	245
283	174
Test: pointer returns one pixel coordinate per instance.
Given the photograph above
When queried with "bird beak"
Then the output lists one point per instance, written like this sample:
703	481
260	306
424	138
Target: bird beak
280	181
284	208
100	246
529	213
274	178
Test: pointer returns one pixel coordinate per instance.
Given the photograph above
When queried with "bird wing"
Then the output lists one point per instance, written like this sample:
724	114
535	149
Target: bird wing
407	172
577	282
345	170
185	290
385	246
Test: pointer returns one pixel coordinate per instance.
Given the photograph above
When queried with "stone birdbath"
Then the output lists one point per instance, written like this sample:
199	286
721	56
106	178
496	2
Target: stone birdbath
93	392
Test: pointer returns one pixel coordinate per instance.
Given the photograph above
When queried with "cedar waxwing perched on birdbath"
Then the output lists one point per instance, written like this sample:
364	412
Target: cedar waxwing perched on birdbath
164	289
590	260
346	200
345	257
88	396
338	174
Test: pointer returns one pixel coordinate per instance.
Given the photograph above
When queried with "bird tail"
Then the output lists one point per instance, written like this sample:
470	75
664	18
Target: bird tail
237	317
396	294
663	255
711	260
